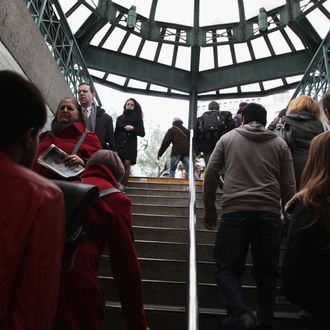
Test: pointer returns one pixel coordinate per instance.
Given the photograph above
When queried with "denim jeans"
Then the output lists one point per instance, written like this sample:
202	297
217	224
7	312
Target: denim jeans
237	232
174	163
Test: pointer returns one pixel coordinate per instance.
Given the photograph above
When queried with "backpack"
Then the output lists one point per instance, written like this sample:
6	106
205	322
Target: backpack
79	199
212	123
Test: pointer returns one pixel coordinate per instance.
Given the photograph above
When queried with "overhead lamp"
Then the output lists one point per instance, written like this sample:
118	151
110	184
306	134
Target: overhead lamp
262	20
131	18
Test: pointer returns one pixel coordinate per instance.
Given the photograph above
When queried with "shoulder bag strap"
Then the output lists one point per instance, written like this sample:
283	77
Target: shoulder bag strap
181	132
108	191
79	143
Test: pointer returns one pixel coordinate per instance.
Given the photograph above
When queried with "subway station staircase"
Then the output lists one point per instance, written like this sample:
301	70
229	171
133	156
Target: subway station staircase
160	224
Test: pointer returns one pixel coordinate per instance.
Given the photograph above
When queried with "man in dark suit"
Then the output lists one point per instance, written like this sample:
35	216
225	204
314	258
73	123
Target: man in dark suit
96	119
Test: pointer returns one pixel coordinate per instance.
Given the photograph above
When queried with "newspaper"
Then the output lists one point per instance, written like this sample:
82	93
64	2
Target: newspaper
53	158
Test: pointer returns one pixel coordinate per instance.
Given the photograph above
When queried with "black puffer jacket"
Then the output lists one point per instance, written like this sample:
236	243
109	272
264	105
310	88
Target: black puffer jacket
304	128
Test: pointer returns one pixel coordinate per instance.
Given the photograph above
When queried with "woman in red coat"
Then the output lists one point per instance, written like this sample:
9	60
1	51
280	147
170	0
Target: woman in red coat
82	304
66	129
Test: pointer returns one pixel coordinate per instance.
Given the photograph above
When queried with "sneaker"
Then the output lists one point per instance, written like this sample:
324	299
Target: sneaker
241	322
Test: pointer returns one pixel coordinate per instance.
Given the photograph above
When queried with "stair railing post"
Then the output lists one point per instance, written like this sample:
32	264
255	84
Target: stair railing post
192	276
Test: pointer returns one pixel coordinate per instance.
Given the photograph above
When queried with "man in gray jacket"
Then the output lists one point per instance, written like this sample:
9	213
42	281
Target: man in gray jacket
259	181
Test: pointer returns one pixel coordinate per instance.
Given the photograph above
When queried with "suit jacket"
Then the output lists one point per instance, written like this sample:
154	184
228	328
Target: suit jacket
104	129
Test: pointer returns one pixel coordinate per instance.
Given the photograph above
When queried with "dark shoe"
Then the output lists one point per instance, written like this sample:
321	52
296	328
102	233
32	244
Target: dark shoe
240	322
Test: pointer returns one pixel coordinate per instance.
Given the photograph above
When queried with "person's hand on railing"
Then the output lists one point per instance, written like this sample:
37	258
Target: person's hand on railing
210	222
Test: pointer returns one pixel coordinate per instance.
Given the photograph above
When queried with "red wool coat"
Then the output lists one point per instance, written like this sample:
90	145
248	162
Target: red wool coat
31	243
66	140
81	304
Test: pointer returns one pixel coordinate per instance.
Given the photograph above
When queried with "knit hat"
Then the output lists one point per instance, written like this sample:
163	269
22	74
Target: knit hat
177	120
213	105
242	105
109	159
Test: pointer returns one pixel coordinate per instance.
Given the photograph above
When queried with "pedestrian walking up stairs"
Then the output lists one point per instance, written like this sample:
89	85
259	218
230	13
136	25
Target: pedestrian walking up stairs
160	223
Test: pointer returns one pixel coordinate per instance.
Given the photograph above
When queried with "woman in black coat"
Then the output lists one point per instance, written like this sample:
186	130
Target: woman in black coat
306	262
303	116
129	126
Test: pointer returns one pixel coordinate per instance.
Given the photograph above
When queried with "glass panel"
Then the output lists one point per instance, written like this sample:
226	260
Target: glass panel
132	45
166	54
158	88
137	84
96	73
294	39
99	35
242	52
252	7
250	88
181	13
224	56
206	61
294	79
116	79
272	83
214	12
183	58
115	38
278	42
78	18
228	90
149	50
319	22
260	48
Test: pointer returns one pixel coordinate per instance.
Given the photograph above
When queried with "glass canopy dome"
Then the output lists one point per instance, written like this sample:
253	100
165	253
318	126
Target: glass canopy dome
198	49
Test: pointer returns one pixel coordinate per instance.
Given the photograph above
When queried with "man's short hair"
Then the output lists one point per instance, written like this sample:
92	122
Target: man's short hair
254	112
91	86
213	105
22	107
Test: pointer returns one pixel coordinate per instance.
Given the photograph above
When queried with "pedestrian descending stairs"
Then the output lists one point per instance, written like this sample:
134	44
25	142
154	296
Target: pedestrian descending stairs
160	224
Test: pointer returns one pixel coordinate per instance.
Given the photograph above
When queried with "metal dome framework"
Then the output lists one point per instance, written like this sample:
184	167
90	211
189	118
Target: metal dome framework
113	64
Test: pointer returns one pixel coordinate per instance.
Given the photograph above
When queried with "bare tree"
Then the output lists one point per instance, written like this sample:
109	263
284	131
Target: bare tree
147	156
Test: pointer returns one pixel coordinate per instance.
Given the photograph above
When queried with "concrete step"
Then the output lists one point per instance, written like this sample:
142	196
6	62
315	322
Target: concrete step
167	221
174	293
174	270
169	210
178	200
172	234
162	317
159	317
160	220
163	186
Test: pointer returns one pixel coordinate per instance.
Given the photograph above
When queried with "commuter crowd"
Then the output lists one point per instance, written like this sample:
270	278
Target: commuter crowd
269	177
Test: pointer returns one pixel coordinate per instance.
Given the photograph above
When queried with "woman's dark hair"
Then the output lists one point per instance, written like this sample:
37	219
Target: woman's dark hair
77	105
254	112
22	107
315	179
137	106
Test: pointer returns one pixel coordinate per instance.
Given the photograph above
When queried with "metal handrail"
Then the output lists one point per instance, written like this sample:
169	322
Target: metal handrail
192	303
315	80
51	21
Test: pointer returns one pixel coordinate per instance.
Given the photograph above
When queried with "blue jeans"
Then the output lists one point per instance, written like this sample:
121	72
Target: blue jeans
174	163
237	231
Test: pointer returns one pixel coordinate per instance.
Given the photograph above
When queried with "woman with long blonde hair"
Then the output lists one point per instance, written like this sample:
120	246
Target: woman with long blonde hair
303	115
306	264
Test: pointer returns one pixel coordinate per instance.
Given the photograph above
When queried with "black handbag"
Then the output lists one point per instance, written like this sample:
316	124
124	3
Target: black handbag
284	131
79	198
